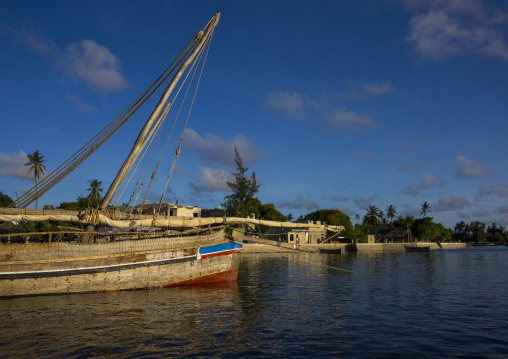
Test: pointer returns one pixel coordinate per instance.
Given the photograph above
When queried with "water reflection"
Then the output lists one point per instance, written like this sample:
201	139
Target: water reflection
117	322
292	304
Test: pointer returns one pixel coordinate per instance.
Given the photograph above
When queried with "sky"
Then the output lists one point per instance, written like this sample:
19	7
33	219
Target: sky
333	104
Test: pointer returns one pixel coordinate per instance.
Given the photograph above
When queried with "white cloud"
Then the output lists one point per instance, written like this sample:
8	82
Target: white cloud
291	103
502	210
339	198
467	168
448	202
453	27
80	104
212	180
84	61
364	203
411	190
328	110
368	90
346	211
94	64
376	90
350	120
481	213
299	204
490	190
13	165
410	167
428	180
215	150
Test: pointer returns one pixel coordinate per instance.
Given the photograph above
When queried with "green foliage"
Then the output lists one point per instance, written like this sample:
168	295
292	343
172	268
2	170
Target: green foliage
422	228
35	162
270	213
24	227
80	204
5	200
95	190
477	230
336	218
425	208
372	217
242	203
358	233
391	212
406	222
495	233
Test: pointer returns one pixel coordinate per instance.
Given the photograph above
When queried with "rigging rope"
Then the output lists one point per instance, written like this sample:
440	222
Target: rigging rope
91	146
177	153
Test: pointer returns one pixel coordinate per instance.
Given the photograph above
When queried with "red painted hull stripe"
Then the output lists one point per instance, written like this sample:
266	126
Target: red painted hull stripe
220	253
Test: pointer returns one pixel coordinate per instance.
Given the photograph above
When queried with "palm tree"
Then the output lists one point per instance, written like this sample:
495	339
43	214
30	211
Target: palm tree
94	196
290	217
391	212
425	208
357	217
372	216
35	161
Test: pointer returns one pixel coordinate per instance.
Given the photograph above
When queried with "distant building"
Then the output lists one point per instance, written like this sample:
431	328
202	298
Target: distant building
298	235
216	212
166	209
386	233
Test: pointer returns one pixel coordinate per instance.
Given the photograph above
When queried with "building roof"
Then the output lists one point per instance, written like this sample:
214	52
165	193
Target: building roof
388	231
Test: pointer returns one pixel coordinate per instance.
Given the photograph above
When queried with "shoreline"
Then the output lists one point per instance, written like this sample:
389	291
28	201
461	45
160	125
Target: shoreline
249	248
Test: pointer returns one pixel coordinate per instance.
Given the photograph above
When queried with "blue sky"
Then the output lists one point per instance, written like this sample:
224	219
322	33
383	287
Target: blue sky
334	104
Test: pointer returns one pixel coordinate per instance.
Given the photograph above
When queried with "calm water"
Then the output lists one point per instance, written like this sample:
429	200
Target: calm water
446	304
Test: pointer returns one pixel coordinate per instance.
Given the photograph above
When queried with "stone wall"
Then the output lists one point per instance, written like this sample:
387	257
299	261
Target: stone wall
360	247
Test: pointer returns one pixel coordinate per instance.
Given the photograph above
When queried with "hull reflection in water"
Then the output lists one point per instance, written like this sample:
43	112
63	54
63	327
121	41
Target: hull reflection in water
128	323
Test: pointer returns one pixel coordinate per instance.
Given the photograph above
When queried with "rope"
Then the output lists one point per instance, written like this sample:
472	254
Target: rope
177	153
154	130
322	265
92	216
96	142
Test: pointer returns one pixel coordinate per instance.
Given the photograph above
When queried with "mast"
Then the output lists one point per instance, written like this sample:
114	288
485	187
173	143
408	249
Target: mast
141	141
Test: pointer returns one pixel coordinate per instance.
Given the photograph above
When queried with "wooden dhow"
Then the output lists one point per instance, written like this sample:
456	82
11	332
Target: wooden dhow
183	251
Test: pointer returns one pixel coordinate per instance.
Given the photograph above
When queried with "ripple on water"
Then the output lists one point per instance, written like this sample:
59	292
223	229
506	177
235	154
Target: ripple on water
396	305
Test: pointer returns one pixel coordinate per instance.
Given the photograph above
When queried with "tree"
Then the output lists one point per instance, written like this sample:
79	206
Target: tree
270	213
372	217
80	204
495	233
460	231
477	229
290	217
94	196
333	217
357	217
5	200
425	208
242	202
391	213
35	161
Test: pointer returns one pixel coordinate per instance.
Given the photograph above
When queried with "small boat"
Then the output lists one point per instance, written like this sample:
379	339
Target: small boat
330	250
417	249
